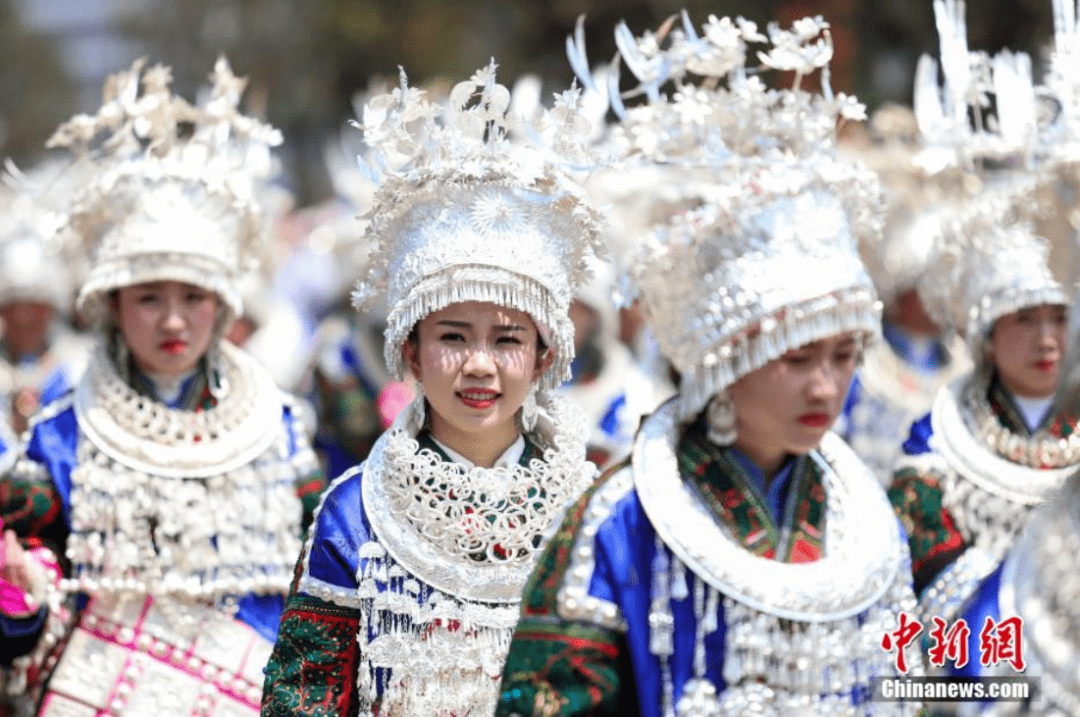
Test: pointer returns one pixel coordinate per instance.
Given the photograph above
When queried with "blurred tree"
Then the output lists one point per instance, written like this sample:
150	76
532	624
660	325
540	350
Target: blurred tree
35	90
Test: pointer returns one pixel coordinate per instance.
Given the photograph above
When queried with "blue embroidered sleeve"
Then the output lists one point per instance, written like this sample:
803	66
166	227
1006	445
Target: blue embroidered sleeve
337	534
53	444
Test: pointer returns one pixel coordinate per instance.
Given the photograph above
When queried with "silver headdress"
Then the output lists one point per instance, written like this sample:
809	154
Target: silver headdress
990	262
31	215
756	254
993	257
172	194
918	203
464	213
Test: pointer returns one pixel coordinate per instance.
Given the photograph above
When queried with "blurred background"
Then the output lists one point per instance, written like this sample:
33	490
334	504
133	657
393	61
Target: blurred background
308	59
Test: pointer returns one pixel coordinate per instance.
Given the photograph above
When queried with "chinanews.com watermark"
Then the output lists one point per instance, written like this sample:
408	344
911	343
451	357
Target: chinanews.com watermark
954	689
1000	643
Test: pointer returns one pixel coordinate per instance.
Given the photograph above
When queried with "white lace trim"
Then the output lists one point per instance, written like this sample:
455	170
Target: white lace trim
474	534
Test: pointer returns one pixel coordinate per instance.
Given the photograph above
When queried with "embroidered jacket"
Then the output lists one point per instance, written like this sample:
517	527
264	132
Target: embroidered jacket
317	666
634	610
46	502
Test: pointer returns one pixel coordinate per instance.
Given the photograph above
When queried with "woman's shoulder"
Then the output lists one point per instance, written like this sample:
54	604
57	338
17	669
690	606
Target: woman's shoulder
331	557
610	509
54	428
342	498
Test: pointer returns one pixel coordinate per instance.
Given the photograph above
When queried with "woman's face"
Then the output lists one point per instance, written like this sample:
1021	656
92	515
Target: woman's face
26	326
475	362
167	325
787	405
1026	348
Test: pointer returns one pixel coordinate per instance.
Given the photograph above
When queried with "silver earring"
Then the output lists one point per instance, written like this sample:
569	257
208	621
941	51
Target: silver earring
720	419
417	418
529	411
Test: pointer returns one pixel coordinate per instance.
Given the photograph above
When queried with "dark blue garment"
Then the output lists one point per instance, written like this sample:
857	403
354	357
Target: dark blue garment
981	605
340	528
776	496
18	636
918	441
262	613
903	344
56	384
625	549
611	423
53	444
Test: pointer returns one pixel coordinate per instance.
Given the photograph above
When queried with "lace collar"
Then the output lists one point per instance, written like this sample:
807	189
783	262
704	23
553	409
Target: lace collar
863	550
473	533
148	436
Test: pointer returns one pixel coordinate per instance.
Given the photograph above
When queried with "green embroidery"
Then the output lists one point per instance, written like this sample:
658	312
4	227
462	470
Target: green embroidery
565	669
313	668
917	501
726	490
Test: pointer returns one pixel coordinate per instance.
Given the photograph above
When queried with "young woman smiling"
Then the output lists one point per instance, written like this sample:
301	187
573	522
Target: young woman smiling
168	483
742	560
409	583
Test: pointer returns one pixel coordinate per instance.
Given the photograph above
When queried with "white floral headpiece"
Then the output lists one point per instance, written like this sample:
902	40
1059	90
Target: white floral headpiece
474	205
754	252
172	189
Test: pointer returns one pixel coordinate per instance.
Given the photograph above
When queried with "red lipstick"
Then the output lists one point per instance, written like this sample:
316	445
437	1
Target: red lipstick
174	346
479	398
1046	365
815	420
